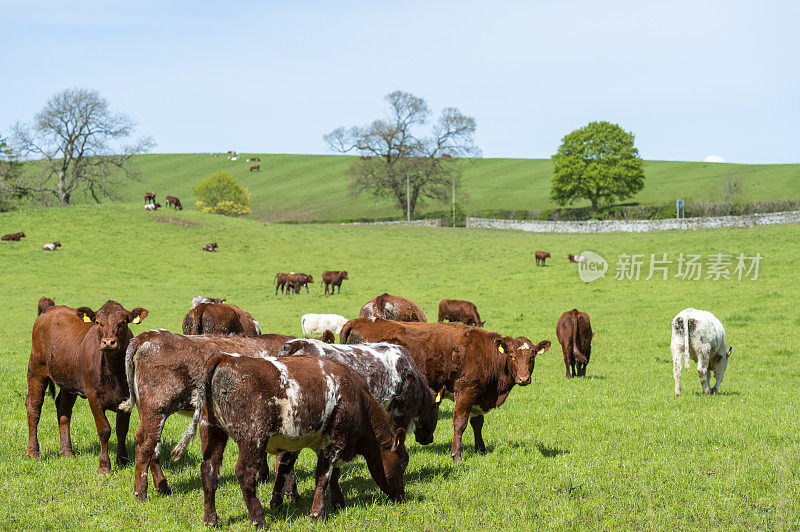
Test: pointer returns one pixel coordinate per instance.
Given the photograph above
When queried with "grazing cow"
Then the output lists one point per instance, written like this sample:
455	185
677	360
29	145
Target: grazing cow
541	256
255	167
324	405
475	368
83	353
280	281
174	202
462	311
319	323
255	159
392	308
52	246
219	318
13	237
699	335
163	371
333	279
574	333
44	304
295	281
149	197
152	206
576	258
196	300
211	248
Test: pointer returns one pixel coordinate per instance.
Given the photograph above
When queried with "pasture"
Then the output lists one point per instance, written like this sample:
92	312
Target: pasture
615	450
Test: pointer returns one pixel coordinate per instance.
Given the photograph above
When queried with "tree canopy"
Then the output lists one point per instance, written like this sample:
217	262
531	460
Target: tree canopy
599	163
221	194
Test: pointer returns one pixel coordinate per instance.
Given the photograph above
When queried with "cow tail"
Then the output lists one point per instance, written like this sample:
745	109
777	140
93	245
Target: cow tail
51	387
685	342
199	398
576	353
130	374
345	333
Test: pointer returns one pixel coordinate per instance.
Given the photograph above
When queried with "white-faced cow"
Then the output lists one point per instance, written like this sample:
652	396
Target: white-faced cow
699	335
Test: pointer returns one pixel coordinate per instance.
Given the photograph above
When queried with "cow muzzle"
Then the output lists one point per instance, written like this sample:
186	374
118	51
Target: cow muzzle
523	382
109	344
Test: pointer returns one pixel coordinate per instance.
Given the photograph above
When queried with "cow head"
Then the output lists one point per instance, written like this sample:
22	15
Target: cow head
309	278
344	275
425	423
395	461
111	322
523	352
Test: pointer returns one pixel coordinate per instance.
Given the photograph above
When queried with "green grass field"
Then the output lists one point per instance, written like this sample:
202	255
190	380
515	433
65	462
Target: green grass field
312	187
616	450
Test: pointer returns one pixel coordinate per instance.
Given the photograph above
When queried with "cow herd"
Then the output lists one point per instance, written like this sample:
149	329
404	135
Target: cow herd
151	205
278	394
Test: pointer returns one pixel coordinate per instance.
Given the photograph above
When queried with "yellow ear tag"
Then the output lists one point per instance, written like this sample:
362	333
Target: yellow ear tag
137	319
500	348
540	351
87	319
438	398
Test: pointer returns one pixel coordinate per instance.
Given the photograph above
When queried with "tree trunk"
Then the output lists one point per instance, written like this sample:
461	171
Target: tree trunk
63	195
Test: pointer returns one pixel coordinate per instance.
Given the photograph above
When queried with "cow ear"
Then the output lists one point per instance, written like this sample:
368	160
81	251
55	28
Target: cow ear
399	438
730	351
440	395
86	313
501	345
542	347
328	337
137	315
291	347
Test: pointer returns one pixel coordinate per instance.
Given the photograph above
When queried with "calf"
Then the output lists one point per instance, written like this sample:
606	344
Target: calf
44	304
255	167
81	352
219	318
163	371
285	405
52	246
212	247
14	237
152	206
574	333
319	323
475	368
280	281
149	197
333	279
462	311
699	335
392	308
201	299
174	202
295	281
541	256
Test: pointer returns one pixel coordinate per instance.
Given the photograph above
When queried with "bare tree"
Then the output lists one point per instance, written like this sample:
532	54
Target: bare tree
77	142
397	163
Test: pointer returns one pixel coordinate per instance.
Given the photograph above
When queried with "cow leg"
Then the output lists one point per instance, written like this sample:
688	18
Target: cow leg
337	497
247	467
33	405
719	373
64	403
572	367
566	360
159	480
103	432
123	422
146	446
677	367
477	425
323	474
464	402
702	371
213	441
283	471
340	289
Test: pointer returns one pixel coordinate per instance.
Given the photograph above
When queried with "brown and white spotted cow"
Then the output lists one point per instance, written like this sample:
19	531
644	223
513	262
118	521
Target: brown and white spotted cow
475	368
283	405
394	308
149	197
219	318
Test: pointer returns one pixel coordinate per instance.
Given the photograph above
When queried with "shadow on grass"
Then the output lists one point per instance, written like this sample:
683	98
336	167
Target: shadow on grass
550	452
595	377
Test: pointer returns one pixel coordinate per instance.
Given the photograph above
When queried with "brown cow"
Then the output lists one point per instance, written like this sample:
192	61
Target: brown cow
327	407
333	279
541	256
256	167
163	371
392	308
13	237
44	304
574	332
212	247
255	159
219	318
280	281
458	310
83	353
475	368
295	281
149	197
174	202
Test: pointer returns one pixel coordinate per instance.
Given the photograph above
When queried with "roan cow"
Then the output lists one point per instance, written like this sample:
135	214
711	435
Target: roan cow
83	353
52	246
319	323
475	368
219	318
541	256
394	308
44	304
574	333
699	335
333	279
461	311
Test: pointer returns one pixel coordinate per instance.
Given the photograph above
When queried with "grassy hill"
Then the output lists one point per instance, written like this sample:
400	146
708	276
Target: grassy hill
616	450
314	187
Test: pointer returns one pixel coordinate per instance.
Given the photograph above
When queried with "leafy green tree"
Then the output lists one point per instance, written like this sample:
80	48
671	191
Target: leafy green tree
221	194
599	163
10	168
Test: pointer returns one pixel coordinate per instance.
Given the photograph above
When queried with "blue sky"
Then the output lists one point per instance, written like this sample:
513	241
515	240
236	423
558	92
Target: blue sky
689	78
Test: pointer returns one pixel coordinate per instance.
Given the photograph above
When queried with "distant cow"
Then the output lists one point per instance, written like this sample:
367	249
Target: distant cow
255	167
81	352
295	281
280	281
574	333
13	237
475	368
44	304
461	311
327	407
394	308
219	318
149	197
319	323
333	279
174	202
212	247
699	335
52	246
541	256
255	159
201	299
576	258
152	206
164	370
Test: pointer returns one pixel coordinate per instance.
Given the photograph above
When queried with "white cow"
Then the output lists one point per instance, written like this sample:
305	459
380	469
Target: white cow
699	335
319	323
202	299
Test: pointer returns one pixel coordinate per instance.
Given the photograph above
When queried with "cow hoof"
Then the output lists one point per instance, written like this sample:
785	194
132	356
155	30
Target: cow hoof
122	462
713	392
68	455
456	457
141	497
105	472
163	488
211	521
